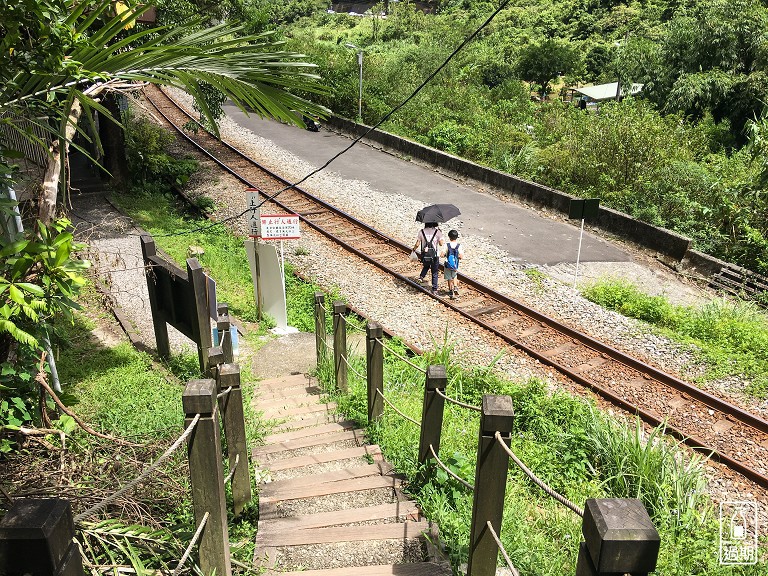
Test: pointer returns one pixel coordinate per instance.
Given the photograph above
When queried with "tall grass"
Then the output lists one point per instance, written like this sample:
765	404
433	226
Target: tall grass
731	337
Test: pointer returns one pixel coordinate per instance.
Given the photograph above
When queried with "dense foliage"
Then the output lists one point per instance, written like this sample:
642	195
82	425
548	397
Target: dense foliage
690	155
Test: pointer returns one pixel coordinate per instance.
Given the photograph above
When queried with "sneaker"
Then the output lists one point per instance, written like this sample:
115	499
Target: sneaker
435	293
422	280
455	292
452	296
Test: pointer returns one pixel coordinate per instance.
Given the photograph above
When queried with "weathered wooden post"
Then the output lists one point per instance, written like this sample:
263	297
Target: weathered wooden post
36	537
319	326
490	484
148	249
207	475
619	538
340	345
201	323
215	359
223	326
432	412
231	406
374	354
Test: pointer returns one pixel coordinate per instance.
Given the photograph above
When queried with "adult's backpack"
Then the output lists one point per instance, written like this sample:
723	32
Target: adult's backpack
429	252
452	260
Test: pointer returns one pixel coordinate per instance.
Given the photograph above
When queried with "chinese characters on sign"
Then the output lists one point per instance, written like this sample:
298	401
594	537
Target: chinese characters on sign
738	532
280	227
253	213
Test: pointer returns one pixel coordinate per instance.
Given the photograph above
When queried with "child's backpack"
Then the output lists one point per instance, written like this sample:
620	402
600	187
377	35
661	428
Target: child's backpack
429	253
452	260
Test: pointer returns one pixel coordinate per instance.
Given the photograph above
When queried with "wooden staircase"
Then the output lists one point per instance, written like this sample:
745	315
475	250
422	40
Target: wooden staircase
329	504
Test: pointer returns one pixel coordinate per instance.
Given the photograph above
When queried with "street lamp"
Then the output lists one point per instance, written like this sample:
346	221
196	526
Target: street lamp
360	90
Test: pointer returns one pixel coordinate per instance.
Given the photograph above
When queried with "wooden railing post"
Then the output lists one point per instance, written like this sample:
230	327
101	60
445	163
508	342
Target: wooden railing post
215	357
148	249
223	325
36	537
201	320
231	406
319	326
490	484
340	345
207	476
432	412
619	538
374	354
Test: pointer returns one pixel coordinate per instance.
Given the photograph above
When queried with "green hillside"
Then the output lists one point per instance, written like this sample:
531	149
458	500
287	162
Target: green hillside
690	154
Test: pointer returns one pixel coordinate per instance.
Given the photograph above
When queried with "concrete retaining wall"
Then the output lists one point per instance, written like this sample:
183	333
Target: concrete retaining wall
661	240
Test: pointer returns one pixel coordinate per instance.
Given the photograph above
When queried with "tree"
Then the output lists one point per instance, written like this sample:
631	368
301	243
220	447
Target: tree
542	63
715	59
99	57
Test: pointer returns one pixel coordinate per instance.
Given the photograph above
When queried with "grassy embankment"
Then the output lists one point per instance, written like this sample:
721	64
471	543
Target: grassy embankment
731	338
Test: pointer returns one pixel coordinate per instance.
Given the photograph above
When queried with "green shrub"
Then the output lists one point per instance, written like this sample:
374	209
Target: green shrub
148	161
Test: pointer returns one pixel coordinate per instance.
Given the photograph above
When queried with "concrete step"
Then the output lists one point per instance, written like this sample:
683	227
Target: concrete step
312	421
318	463
416	569
329	428
346	546
315	444
300	412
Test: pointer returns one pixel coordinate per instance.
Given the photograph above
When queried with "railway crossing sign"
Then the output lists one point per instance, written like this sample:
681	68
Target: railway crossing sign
253	213
580	209
280	227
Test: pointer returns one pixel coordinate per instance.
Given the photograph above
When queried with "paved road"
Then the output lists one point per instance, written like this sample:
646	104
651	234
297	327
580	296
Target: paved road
522	233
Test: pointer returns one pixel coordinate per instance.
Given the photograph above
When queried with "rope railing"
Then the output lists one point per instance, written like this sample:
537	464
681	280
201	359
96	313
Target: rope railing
355	372
449	472
232	472
457	402
90	511
387	401
501	549
536	480
352	324
224	392
323	308
192	543
401	357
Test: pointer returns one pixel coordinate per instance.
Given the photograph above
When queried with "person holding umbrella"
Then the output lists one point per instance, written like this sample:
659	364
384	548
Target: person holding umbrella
430	239
428	246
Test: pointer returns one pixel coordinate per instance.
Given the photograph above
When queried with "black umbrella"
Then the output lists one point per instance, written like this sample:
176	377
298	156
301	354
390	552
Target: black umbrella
437	213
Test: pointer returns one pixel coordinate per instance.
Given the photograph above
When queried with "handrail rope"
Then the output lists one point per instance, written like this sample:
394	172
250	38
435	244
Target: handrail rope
450	473
352	324
322	307
143	475
457	402
192	543
536	480
234	467
224	392
355	372
502	550
403	358
380	393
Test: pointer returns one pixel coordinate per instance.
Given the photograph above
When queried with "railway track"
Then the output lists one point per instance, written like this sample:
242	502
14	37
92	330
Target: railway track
703	421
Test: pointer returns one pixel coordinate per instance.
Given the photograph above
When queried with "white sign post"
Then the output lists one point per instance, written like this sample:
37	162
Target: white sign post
280	227
265	267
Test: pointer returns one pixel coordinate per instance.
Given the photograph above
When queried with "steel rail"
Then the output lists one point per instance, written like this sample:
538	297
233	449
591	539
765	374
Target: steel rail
706	398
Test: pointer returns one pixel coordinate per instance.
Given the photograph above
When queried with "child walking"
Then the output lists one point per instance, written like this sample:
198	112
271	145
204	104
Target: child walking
453	254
